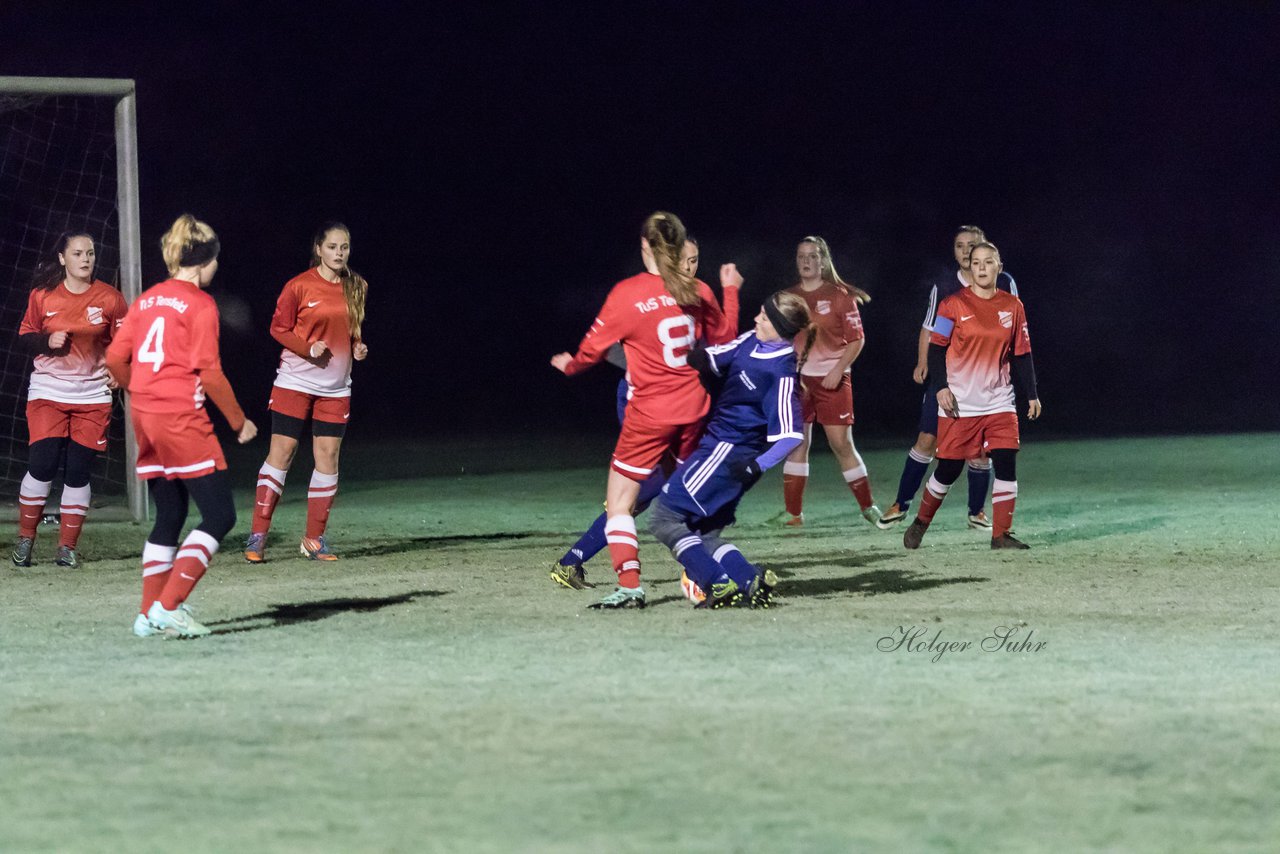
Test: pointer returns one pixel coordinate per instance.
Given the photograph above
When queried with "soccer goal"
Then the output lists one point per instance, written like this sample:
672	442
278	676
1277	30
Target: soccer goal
68	160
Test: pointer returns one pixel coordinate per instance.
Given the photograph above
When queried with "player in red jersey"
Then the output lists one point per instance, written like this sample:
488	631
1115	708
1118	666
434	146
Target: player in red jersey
166	355
826	388
318	322
69	323
656	315
978	350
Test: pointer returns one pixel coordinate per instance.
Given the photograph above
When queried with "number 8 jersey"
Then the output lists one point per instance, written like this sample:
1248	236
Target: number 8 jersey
170	334
656	334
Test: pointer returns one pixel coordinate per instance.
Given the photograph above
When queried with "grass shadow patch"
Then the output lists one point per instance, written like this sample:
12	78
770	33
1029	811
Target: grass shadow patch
291	613
416	544
1100	530
871	583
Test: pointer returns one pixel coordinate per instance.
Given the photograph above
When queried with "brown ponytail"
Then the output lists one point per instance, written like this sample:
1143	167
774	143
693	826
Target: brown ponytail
666	236
796	312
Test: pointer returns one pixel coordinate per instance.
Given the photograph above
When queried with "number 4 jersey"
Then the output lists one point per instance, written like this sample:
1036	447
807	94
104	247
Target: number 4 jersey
170	334
656	334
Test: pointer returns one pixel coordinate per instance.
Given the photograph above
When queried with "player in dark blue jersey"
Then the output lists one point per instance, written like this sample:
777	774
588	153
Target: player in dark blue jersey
755	423
921	454
569	571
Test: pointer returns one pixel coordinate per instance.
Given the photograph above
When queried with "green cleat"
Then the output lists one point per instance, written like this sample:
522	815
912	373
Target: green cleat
872	514
177	623
67	557
722	594
574	576
622	597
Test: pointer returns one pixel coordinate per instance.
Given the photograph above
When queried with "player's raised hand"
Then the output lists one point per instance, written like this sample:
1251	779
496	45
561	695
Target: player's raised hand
730	277
247	432
58	339
360	351
1033	409
560	361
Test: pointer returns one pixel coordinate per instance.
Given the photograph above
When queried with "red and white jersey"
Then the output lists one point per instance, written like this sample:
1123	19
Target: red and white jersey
90	319
835	312
311	309
656	335
170	333
981	336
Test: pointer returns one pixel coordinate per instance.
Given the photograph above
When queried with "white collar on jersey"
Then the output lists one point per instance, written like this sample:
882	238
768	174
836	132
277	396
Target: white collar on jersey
757	353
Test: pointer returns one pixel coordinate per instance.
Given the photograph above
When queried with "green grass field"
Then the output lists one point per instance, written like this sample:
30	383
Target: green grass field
435	691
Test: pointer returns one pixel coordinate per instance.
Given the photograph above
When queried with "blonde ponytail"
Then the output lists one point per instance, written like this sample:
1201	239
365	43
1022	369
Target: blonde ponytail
185	235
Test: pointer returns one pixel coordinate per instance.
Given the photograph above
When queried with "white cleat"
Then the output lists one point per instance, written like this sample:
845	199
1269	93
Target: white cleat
177	623
142	628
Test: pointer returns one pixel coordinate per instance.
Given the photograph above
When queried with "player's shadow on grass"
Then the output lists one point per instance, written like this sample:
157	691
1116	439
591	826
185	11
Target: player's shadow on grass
1099	530
416	544
870	583
289	614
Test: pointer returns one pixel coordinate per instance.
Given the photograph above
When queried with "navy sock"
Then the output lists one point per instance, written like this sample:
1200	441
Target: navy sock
738	567
979	481
917	466
588	545
699	565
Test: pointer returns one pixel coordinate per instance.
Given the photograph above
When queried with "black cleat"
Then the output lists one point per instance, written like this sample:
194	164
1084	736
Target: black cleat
22	551
722	594
914	534
1006	541
760	593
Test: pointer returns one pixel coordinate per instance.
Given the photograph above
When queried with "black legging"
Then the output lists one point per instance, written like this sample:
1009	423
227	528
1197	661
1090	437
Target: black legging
44	456
1004	464
212	494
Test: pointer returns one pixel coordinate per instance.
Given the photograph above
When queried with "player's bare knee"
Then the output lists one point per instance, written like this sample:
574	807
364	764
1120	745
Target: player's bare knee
926	444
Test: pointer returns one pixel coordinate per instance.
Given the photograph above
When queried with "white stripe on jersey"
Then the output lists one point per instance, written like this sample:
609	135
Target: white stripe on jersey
786	412
698	478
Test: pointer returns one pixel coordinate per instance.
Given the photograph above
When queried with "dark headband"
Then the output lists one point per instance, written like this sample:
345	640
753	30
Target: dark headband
785	328
199	254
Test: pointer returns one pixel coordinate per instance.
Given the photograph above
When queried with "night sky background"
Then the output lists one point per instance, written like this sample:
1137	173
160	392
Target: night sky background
495	161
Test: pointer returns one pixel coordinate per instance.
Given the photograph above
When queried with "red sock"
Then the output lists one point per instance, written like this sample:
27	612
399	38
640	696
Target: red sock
270	487
75	504
624	549
156	563
192	560
795	476
31	498
319	501
1004	494
859	485
934	492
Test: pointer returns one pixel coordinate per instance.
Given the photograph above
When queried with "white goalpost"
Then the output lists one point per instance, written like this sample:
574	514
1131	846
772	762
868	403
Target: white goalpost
68	160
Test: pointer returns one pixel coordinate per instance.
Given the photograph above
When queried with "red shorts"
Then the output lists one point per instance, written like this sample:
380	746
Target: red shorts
176	444
834	406
299	404
85	423
973	436
643	443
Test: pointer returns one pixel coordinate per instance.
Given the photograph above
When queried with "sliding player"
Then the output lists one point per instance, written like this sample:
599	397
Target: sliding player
166	355
569	570
318	322
826	387
979	344
656	315
69	323
755	423
921	454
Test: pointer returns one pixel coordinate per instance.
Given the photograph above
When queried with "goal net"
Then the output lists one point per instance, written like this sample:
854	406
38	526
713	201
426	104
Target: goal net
67	162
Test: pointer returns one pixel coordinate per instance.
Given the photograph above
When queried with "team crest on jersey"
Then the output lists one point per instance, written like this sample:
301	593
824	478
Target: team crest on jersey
1006	319
824	306
95	315
854	321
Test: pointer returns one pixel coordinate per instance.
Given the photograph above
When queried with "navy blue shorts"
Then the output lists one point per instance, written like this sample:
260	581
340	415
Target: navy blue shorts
702	489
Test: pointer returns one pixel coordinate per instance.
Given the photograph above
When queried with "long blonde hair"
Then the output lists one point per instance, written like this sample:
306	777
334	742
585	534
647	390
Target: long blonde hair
666	235
183	236
354	287
829	273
